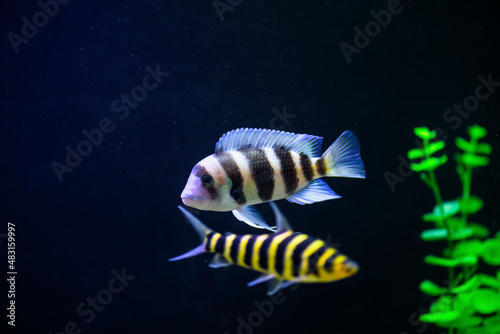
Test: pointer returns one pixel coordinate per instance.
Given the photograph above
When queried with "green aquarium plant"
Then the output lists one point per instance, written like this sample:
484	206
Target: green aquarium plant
468	302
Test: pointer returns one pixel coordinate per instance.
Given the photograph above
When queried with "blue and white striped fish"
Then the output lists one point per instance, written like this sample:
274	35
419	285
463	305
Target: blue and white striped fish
283	258
252	166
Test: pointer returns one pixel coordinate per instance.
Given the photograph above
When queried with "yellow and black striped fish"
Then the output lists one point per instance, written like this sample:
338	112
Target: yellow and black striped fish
284	257
252	166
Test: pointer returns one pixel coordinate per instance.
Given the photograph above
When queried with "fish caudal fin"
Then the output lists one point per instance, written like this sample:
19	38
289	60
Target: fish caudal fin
343	158
193	252
200	228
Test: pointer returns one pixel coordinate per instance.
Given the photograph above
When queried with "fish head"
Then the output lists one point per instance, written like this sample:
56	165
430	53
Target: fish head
207	187
337	268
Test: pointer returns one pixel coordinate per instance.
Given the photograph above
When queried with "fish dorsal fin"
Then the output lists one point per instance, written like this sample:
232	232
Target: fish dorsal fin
200	228
282	224
244	138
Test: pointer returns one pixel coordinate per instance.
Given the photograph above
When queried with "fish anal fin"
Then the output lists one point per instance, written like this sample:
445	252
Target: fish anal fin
219	261
316	191
261	279
277	284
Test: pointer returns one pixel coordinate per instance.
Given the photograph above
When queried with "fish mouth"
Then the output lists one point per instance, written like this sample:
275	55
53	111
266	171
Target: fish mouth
352	266
190	200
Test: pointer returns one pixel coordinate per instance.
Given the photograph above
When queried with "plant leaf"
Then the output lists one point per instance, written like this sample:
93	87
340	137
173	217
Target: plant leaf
416	153
480	231
485	301
477	131
491	252
434	147
424	133
473	160
431	288
468	260
464	145
439	317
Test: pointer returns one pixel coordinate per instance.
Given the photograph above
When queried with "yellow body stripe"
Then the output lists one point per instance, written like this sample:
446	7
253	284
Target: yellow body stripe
287	271
339	259
242	250
272	251
255	252
215	237
307	253
321	261
227	246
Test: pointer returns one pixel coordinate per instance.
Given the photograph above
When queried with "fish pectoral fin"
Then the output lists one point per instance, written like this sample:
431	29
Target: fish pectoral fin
252	217
219	261
262	278
317	191
277	284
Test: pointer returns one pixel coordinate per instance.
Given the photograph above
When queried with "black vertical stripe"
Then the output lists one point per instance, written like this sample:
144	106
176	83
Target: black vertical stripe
279	263
313	259
233	251
288	170
297	255
263	253
305	164
219	245
208	239
249	250
329	262
320	166
234	174
262	172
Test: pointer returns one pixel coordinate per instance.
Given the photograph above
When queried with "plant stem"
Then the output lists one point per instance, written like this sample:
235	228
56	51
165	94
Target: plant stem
439	200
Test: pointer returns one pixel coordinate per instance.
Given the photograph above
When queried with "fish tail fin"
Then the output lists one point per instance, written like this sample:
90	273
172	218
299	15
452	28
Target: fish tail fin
343	158
202	231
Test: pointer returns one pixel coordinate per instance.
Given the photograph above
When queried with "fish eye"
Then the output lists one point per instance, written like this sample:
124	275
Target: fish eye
207	181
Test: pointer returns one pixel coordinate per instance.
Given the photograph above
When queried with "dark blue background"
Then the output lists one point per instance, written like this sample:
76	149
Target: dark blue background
118	207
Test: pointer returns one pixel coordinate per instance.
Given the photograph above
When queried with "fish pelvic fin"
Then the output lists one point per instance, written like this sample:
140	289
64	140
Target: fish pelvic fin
251	216
343	157
202	231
